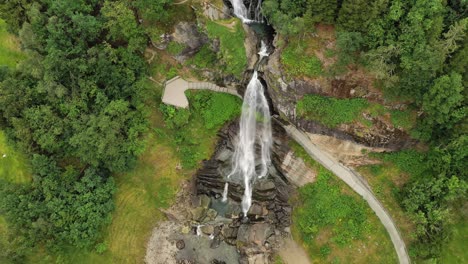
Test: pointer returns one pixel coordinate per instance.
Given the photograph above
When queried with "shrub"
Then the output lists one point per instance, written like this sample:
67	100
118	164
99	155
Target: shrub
404	119
215	108
299	64
231	45
205	58
175	48
330	111
174	117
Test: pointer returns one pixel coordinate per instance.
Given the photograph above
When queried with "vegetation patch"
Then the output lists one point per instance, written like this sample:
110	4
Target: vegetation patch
403	119
10	53
231	36
193	131
334	223
204	58
299	63
175	48
14	166
331	111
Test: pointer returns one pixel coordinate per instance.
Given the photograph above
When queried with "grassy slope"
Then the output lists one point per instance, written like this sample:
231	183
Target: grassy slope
14	167
455	251
375	245
231	36
10	53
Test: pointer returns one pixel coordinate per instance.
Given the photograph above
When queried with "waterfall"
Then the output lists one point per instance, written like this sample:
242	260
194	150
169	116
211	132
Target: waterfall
254	127
242	12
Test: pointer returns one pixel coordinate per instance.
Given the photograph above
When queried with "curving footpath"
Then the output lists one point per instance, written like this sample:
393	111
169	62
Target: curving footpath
357	183
174	91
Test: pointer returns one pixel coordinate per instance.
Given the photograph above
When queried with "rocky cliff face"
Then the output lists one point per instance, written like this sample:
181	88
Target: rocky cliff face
285	92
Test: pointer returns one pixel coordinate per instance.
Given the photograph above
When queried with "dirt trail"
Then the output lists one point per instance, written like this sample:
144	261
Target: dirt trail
293	253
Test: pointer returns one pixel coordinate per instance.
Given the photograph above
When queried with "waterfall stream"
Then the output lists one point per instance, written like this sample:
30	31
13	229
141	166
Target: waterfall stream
254	127
242	12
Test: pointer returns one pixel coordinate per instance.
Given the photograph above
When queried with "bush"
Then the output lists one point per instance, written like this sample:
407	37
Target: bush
215	108
231	45
299	64
175	48
330	111
205	58
174	118
403	119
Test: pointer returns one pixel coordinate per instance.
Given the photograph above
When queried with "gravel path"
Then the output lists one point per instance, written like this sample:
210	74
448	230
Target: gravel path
357	183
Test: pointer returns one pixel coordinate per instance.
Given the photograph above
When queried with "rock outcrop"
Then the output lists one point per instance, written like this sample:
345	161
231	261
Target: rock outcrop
285	92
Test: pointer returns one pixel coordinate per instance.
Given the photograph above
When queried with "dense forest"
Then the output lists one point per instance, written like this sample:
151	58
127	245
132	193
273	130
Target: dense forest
77	105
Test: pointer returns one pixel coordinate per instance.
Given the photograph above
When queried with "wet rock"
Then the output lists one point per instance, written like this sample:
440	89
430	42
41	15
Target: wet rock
217	231
216	242
198	214
211	214
207	229
205	201
255	234
224	155
255	209
229	232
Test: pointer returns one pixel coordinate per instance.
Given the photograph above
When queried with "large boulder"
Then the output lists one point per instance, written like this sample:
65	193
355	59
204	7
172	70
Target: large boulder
187	33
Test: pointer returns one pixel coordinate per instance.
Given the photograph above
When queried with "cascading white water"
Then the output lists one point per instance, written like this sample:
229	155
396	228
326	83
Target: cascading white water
254	127
241	11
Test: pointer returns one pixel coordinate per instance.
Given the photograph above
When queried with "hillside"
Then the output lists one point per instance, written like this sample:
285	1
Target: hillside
337	130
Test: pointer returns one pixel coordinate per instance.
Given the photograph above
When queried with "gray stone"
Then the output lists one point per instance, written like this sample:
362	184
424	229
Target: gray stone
229	232
255	234
211	214
198	214
205	201
188	34
207	229
224	155
255	209
258	259
215	243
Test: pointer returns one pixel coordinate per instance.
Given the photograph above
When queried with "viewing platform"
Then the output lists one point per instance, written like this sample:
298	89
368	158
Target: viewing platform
174	91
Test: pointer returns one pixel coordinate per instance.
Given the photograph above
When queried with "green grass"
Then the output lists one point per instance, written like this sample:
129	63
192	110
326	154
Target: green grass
455	251
203	59
191	129
403	119
10	53
231	36
331	111
15	166
335	224
298	63
175	48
